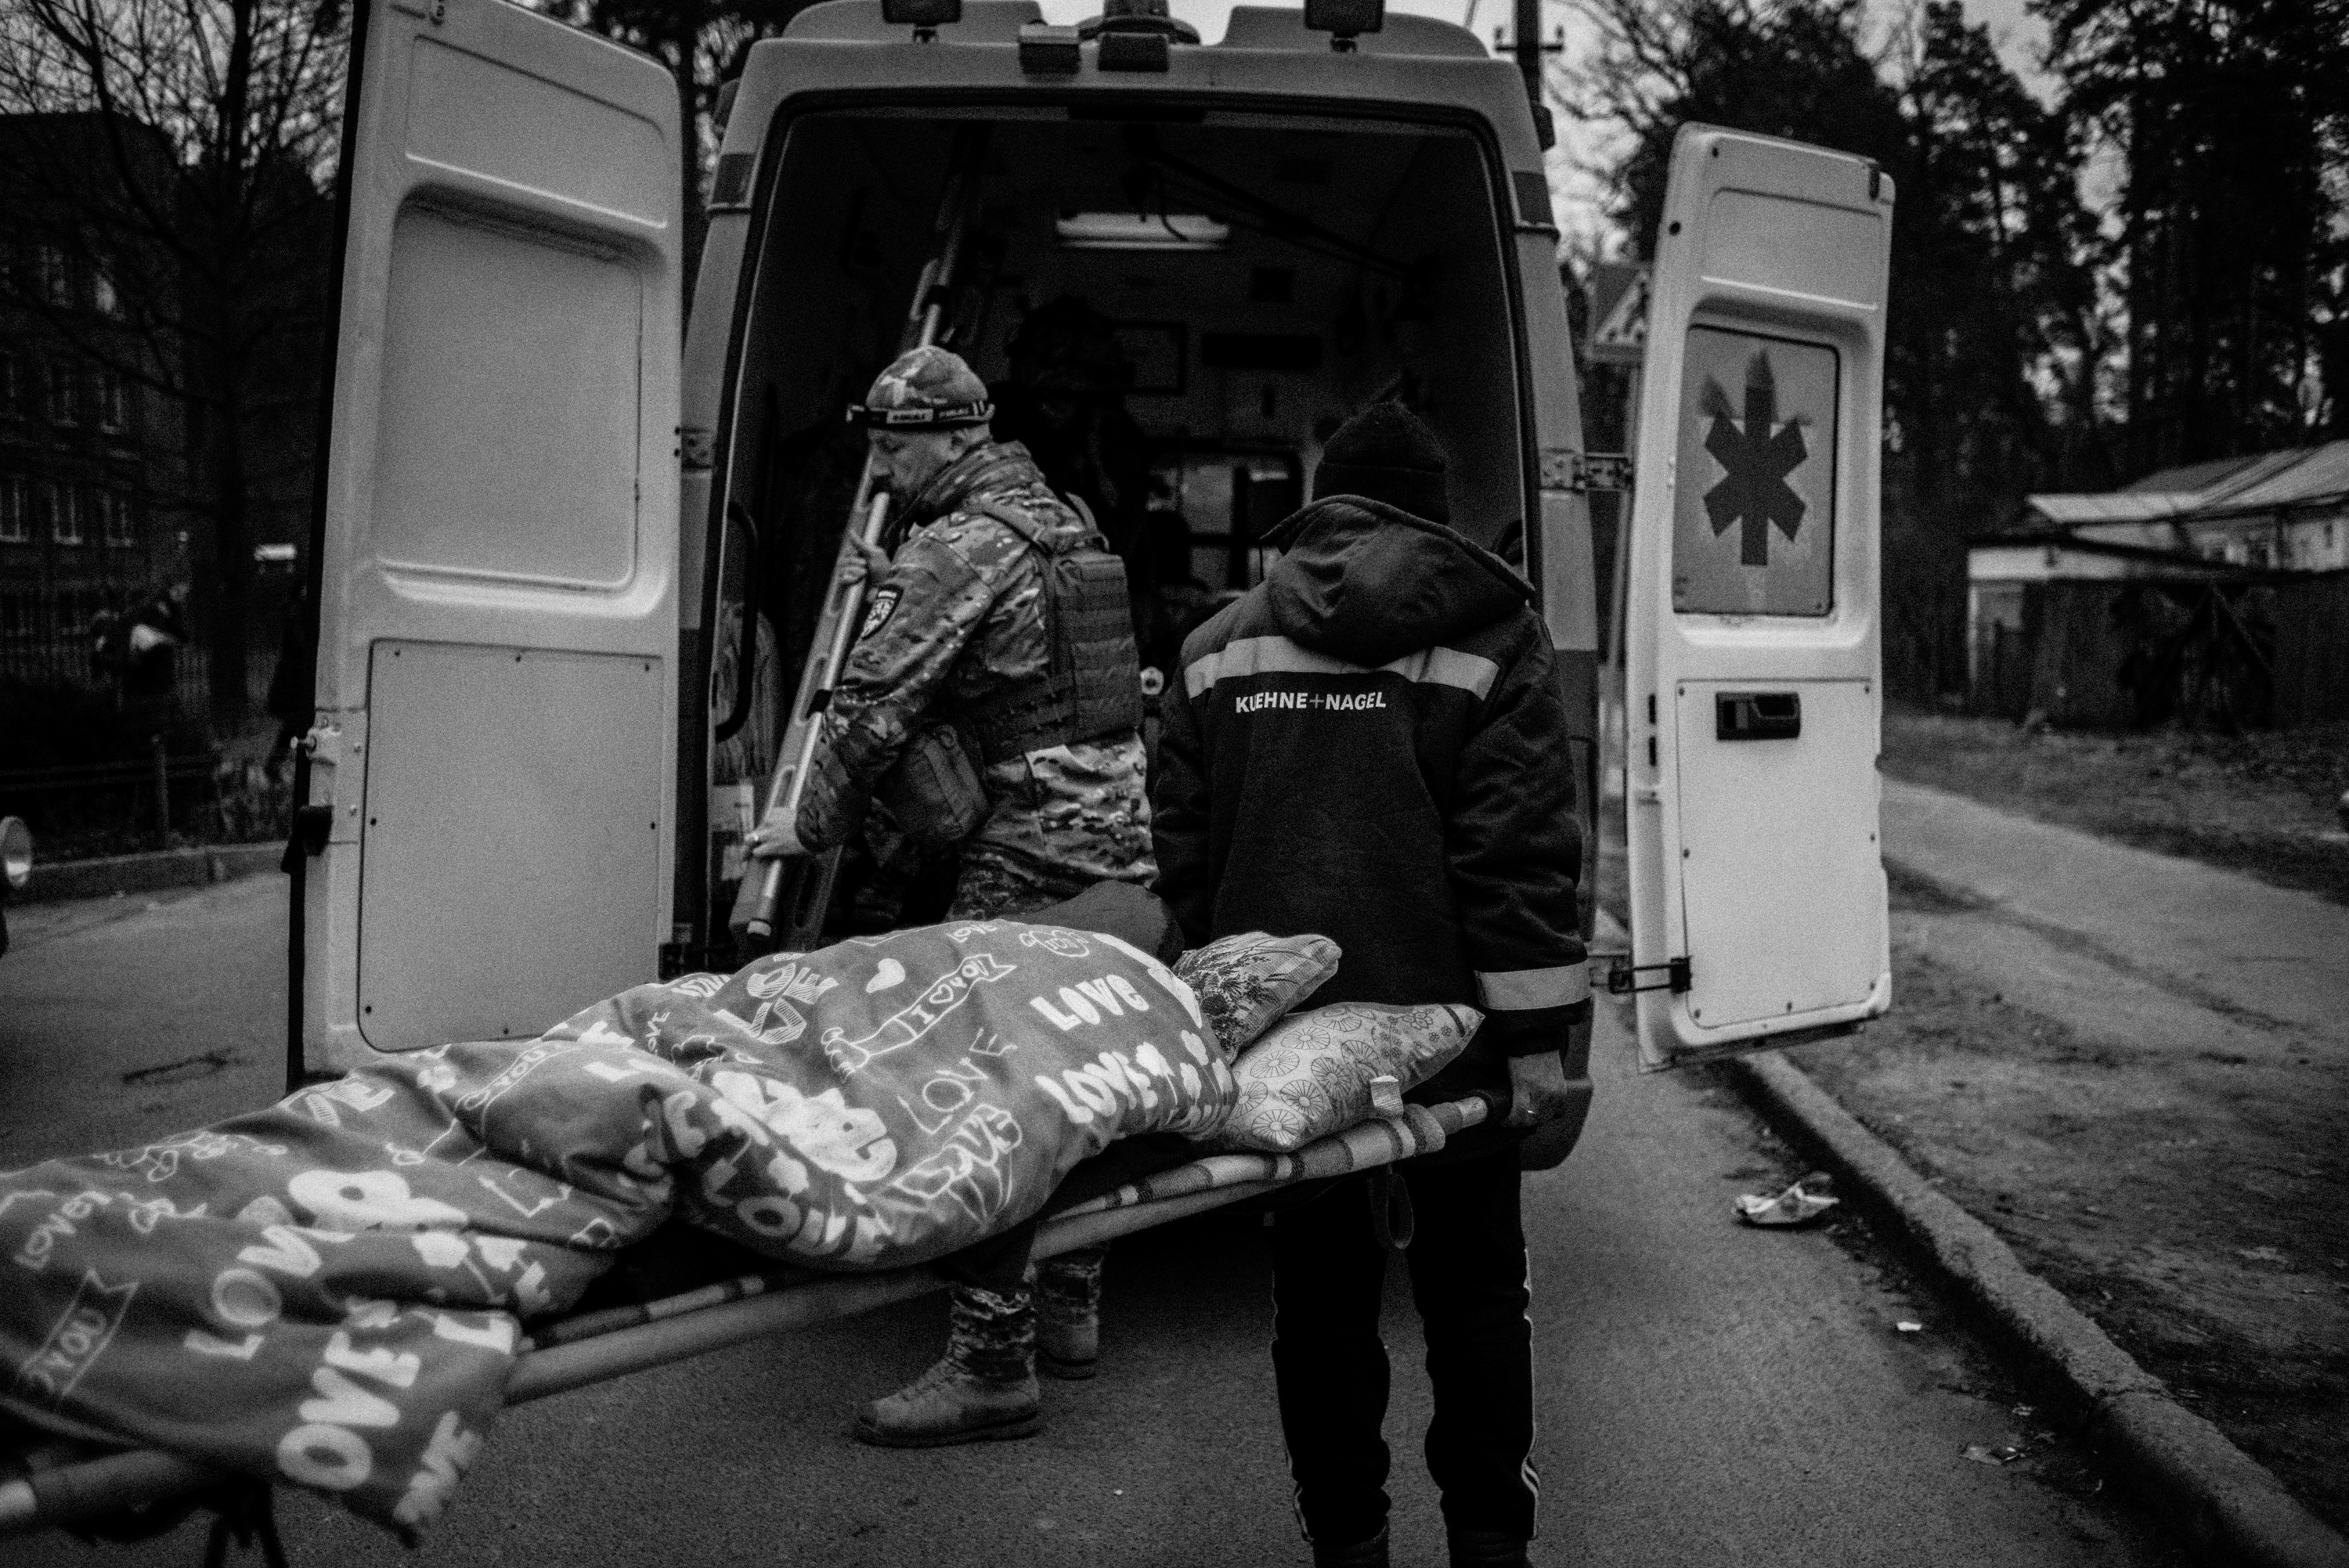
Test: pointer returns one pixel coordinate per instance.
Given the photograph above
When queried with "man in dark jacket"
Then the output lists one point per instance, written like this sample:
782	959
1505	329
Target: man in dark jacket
1371	746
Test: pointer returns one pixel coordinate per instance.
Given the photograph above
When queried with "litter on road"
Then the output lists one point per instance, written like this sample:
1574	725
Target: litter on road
1799	1204
1984	1454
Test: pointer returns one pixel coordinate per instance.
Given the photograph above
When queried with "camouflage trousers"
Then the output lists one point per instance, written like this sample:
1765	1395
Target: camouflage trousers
991	1334
993	1324
994	886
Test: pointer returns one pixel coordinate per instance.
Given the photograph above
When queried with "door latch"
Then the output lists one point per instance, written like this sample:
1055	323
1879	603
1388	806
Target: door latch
1622	976
1757	715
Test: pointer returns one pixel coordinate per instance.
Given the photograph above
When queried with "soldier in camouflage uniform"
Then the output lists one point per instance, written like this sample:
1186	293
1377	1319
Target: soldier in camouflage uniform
969	621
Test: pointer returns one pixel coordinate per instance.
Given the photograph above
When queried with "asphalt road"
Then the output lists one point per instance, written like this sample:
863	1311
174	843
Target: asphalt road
1708	1394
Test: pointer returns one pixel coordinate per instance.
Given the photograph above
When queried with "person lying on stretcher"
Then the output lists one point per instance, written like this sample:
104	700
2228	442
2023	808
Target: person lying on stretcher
331	1291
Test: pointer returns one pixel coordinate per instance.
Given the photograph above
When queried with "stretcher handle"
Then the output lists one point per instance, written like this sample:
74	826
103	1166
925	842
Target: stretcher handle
670	1330
836	628
926	323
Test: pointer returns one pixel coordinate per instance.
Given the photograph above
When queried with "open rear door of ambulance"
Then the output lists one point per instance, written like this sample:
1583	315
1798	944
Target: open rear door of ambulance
1752	690
498	604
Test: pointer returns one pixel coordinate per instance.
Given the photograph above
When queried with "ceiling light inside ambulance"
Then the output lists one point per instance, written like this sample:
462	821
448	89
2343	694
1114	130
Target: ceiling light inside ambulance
1141	232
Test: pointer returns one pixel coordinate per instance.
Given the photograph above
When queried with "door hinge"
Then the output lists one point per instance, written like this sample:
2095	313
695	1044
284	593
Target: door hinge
1622	976
312	824
696	449
1583	472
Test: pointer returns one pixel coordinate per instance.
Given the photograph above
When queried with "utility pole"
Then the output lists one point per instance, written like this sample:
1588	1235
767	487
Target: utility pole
1529	52
1528	47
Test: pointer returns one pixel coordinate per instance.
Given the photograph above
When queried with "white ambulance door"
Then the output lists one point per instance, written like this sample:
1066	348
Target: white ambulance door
1752	685
498	616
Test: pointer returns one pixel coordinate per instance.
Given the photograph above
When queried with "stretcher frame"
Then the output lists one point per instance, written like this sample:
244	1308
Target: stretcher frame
593	1347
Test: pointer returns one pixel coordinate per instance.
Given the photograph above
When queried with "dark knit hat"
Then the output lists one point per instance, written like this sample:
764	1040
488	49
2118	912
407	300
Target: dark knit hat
1384	452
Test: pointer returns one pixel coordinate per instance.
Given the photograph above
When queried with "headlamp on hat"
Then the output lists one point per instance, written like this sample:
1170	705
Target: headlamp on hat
921	415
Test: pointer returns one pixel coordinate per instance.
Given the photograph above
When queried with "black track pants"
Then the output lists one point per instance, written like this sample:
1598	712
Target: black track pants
1467	1267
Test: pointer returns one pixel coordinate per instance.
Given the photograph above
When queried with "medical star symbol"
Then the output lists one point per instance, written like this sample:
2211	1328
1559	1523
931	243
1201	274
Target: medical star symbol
1756	461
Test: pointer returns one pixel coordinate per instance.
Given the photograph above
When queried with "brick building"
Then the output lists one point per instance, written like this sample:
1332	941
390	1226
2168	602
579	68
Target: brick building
90	457
111	411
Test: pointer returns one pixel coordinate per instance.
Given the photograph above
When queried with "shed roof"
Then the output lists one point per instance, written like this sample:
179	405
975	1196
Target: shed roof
2223	487
2112	505
2316	474
2190	477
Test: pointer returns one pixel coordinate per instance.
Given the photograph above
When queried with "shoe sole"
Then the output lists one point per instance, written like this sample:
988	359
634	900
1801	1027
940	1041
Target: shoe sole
1002	1431
1069	1371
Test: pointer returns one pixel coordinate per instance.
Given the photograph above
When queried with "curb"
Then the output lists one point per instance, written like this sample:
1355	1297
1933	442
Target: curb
2227	1505
113	875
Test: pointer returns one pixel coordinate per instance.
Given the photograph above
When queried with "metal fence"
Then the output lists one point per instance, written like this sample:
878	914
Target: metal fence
156	802
2249	650
2312	650
75	663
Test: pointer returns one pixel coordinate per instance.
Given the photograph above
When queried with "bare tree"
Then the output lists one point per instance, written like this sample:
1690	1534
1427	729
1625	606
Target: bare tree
1998	338
175	150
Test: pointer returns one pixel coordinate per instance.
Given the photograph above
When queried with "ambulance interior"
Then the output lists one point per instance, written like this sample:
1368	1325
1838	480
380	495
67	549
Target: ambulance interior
1260	277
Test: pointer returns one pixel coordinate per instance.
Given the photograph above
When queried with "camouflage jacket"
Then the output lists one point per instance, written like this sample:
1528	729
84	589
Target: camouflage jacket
959	618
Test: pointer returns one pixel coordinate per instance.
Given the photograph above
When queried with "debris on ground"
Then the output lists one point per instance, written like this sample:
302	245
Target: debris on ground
1984	1454
1799	1204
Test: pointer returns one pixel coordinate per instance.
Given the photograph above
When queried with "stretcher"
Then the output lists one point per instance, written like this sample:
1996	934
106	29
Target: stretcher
595	1347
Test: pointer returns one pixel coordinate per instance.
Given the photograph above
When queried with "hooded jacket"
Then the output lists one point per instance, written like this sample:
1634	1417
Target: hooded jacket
1370	745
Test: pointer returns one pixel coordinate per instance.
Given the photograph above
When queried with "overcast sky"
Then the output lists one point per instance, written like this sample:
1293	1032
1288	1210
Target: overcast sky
2020	38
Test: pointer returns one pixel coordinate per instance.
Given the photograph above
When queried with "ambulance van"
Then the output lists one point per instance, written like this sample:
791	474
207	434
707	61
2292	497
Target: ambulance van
558	514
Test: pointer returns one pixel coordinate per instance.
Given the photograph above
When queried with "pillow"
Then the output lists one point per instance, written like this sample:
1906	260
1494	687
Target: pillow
1315	1074
1248	983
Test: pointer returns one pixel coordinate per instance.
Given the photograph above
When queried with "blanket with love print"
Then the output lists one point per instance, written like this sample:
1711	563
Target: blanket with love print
329	1292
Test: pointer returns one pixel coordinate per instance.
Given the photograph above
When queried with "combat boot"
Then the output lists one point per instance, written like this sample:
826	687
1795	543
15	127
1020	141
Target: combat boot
1370	1553
983	1389
1486	1548
1068	1313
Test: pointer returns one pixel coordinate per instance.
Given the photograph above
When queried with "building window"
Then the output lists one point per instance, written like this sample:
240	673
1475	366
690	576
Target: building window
12	386
52	274
65	513
15	618
16	510
113	401
114	517
65	395
104	298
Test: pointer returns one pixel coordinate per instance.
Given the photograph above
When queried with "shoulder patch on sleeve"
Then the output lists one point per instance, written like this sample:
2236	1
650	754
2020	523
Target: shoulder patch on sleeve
877	612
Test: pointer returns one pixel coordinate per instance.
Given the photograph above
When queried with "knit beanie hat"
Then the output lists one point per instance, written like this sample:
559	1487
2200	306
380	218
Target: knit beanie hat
1384	452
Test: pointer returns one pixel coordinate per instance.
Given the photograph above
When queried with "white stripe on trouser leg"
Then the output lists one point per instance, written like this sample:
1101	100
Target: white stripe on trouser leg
1525	1471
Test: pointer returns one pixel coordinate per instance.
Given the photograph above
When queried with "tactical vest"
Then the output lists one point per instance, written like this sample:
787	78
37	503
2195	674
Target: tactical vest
1091	684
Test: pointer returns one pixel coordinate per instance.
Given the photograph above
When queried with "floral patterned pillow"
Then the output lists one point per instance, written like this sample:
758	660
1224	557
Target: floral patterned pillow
1246	984
1318	1073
